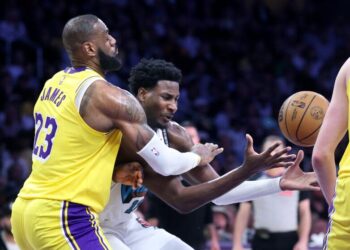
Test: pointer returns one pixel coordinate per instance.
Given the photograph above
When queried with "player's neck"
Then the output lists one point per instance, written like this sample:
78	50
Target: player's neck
91	65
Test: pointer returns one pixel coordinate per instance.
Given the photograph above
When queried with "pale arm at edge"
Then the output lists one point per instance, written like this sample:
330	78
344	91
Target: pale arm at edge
249	190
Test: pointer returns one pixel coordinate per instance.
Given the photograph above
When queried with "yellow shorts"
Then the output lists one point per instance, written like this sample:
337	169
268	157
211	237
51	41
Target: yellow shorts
48	224
338	232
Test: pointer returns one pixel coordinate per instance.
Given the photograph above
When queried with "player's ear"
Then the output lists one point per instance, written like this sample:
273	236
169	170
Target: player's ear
142	94
89	49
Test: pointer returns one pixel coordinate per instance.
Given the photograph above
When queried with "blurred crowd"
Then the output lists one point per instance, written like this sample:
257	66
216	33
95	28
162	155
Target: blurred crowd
240	61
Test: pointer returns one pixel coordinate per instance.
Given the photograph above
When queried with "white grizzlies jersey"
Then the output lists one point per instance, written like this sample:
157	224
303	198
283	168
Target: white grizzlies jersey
123	200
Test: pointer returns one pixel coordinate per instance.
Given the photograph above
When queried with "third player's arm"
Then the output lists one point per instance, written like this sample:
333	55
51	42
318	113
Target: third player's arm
333	129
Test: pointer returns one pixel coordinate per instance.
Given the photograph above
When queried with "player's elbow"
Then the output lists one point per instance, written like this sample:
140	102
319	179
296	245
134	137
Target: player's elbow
162	171
218	202
319	158
183	207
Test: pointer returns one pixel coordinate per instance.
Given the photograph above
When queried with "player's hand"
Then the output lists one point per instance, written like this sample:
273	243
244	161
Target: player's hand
237	247
207	152
300	246
295	179
270	158
129	174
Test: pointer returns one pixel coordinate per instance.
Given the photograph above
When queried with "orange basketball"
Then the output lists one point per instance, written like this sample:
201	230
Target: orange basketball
301	116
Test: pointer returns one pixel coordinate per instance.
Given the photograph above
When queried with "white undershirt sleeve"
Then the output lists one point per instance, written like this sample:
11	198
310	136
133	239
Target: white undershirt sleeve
249	190
167	161
82	89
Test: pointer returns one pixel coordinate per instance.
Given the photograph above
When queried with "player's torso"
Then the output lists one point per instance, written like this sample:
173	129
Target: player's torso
123	199
122	203
71	161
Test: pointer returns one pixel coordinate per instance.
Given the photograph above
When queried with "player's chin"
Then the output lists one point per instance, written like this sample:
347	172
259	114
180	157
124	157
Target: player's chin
163	122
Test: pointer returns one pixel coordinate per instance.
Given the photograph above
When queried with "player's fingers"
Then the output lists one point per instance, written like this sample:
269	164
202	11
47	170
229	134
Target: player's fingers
136	166
272	148
283	164
140	178
279	153
249	146
212	146
312	184
135	182
300	157
283	158
312	177
312	188
218	151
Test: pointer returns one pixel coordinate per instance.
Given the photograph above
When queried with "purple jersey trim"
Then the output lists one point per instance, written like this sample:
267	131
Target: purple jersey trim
73	70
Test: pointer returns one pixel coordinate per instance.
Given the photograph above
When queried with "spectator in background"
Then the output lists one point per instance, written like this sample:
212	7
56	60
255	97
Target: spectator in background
275	217
7	242
222	220
12	27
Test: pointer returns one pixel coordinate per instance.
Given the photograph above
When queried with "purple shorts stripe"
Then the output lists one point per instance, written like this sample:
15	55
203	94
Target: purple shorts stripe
83	228
331	210
65	228
97	228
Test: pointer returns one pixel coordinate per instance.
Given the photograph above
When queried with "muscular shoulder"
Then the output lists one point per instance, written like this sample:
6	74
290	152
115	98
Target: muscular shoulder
178	137
105	105
346	67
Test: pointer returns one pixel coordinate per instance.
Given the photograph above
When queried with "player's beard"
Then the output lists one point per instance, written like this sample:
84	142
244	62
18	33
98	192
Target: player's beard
109	63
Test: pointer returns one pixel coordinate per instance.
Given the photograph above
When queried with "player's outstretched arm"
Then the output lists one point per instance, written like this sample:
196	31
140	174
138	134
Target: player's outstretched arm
333	129
186	199
292	179
105	107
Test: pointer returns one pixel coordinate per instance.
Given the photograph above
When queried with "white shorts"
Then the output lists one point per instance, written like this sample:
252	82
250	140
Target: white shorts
137	234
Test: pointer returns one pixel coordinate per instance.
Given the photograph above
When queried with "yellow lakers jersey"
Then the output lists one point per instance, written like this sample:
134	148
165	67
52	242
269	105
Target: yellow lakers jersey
71	161
344	165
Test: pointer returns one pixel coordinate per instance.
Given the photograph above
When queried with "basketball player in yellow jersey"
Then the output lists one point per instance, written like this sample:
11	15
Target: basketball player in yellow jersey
336	190
80	119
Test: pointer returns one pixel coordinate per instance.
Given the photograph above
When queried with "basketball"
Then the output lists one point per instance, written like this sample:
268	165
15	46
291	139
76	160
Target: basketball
300	117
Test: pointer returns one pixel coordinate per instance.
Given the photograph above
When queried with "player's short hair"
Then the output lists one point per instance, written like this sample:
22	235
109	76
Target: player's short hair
148	72
78	30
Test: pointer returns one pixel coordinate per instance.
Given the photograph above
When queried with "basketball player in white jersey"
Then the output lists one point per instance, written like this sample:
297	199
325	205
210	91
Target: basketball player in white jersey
155	83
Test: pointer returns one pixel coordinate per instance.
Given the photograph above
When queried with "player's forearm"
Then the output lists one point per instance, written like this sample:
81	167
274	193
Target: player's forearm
200	175
241	224
213	234
249	190
324	166
305	224
246	191
189	198
160	158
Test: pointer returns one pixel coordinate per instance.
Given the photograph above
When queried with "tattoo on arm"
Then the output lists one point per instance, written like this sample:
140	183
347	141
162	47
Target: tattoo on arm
143	135
133	110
